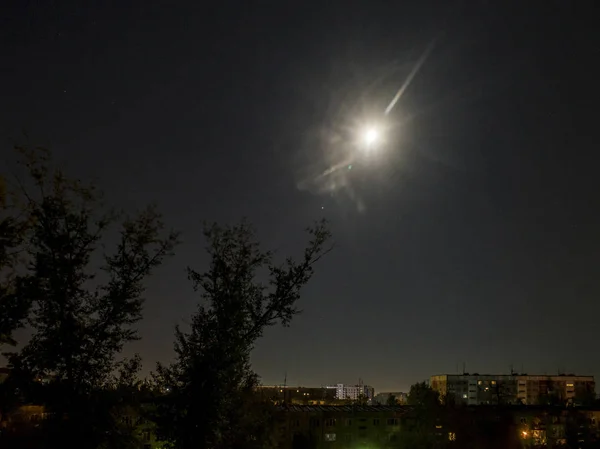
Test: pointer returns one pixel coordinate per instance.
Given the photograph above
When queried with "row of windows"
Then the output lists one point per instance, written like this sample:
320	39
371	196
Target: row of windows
349	437
331	422
555	419
330	437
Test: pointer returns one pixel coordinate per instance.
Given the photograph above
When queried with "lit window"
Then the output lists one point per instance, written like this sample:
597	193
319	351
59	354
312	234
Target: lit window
330	437
465	396
451	436
493	382
478	382
570	385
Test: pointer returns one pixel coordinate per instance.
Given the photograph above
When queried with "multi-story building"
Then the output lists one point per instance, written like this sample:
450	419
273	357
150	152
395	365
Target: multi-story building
354	392
478	389
298	395
339	427
351	427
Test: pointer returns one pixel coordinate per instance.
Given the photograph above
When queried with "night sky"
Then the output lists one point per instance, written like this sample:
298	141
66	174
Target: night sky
471	235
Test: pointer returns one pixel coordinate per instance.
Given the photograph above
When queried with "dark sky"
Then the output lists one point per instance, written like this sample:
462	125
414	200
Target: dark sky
471	235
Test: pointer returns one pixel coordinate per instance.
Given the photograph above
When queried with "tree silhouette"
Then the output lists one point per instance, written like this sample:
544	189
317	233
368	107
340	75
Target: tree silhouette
423	395
211	400
84	299
392	400
13	312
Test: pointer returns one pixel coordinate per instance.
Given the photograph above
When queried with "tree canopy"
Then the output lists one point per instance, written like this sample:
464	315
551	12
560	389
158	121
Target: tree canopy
80	298
211	383
422	395
12	232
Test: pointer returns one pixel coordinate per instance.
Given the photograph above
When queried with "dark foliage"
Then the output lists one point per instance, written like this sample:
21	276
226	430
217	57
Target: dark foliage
392	400
81	301
13	226
211	400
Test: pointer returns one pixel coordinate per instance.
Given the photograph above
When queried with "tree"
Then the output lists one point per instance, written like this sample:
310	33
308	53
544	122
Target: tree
501	391
392	400
550	395
211	400
422	395
361	399
12	229
419	427
585	396
84	299
481	427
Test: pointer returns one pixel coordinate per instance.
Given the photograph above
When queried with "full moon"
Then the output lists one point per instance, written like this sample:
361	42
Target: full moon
370	136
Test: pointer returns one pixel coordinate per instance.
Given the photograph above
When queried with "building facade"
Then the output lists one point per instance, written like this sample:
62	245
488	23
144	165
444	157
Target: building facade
353	392
339	427
280	394
385	427
485	389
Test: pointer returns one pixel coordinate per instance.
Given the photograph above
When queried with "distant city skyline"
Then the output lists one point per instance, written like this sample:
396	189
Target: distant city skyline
388	385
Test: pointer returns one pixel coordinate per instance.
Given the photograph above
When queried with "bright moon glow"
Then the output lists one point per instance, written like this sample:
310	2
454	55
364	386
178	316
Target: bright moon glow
370	136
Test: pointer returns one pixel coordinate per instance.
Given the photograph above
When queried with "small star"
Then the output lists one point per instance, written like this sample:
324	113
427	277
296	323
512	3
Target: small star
322	207
64	91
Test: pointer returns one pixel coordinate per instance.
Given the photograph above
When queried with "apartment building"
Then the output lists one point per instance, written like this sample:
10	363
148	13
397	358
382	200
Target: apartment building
298	395
481	389
351	427
354	392
340	427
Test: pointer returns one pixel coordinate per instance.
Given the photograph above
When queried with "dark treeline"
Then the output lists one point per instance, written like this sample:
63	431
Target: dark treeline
79	293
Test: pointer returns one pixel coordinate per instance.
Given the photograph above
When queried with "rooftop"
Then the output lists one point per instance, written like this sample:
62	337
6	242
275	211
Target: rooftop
345	408
511	375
